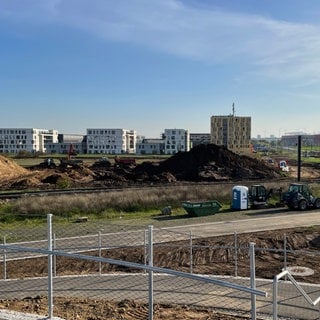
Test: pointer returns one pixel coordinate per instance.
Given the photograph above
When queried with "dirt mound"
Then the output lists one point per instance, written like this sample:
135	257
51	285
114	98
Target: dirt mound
207	163
202	163
10	169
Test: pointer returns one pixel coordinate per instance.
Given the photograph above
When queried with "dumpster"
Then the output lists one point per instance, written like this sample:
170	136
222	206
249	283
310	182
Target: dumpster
240	197
201	208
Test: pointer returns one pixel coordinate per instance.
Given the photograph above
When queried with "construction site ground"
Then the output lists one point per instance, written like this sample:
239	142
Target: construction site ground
206	261
207	164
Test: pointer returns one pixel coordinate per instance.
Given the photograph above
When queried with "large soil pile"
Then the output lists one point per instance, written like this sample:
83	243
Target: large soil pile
202	163
208	163
10	169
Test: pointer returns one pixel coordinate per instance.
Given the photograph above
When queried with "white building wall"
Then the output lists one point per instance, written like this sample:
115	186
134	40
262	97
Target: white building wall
176	140
110	141
14	140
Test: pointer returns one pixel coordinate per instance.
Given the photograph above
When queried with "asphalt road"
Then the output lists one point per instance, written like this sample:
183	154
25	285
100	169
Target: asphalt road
269	219
168	290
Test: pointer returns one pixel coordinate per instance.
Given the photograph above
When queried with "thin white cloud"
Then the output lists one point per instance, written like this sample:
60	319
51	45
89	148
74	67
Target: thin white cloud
277	48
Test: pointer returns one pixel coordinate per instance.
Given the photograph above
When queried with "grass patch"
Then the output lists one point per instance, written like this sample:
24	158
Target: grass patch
128	203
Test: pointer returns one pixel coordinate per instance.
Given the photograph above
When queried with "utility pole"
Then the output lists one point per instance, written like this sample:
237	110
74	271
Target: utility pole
299	158
233	109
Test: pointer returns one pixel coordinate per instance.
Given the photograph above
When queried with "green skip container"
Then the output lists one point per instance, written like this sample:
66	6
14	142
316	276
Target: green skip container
202	208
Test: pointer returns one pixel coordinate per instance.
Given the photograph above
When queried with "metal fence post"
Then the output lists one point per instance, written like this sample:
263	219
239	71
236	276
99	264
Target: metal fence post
235	254
150	256
4	259
50	280
145	248
191	253
54	256
99	244
274	298
253	281
285	251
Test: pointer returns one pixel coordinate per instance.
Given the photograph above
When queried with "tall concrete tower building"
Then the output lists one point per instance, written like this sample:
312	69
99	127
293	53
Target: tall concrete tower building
232	132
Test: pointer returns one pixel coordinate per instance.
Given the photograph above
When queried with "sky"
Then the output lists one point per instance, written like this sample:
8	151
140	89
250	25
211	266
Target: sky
150	65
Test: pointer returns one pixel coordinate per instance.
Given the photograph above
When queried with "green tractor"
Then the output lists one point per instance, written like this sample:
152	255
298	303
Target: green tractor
299	197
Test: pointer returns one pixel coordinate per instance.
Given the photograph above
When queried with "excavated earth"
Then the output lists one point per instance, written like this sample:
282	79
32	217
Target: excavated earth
202	163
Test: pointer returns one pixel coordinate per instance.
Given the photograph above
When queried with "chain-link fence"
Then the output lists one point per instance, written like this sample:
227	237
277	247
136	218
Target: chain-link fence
153	265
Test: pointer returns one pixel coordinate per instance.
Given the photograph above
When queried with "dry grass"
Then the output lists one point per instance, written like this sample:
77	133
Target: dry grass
128	200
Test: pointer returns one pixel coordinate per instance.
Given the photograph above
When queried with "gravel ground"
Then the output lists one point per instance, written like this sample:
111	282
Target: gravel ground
14	315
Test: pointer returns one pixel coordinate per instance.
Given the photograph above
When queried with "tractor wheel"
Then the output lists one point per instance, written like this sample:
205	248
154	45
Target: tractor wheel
316	204
302	205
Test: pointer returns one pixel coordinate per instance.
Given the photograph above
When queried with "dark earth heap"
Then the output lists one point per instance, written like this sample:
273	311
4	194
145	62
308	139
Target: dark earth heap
203	163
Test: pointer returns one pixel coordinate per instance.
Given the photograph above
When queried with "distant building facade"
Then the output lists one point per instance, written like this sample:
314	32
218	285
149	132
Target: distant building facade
111	141
150	146
15	140
199	138
307	140
78	142
176	140
232	132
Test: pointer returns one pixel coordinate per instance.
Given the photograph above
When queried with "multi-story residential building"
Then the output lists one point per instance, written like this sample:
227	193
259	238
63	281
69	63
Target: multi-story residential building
232	132
15	140
199	138
176	140
111	141
150	146
78	142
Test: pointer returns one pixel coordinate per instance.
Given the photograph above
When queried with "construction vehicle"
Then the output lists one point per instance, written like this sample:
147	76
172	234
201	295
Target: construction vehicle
283	166
123	162
258	196
299	197
47	163
70	161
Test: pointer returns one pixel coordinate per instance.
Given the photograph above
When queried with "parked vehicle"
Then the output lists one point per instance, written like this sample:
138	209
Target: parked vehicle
258	196
124	161
283	166
300	197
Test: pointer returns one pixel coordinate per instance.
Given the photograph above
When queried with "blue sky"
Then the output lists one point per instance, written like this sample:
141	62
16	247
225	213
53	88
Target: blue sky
148	65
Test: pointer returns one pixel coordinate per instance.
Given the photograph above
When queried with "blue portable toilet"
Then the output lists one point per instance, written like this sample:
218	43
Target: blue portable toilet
240	197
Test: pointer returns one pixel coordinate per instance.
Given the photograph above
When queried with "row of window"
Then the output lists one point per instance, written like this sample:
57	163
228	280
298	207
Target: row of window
174	147
15	137
20	142
102	132
102	147
148	146
13	147
10	131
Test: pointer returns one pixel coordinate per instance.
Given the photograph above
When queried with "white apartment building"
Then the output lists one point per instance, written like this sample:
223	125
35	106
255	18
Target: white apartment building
176	140
111	141
14	140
